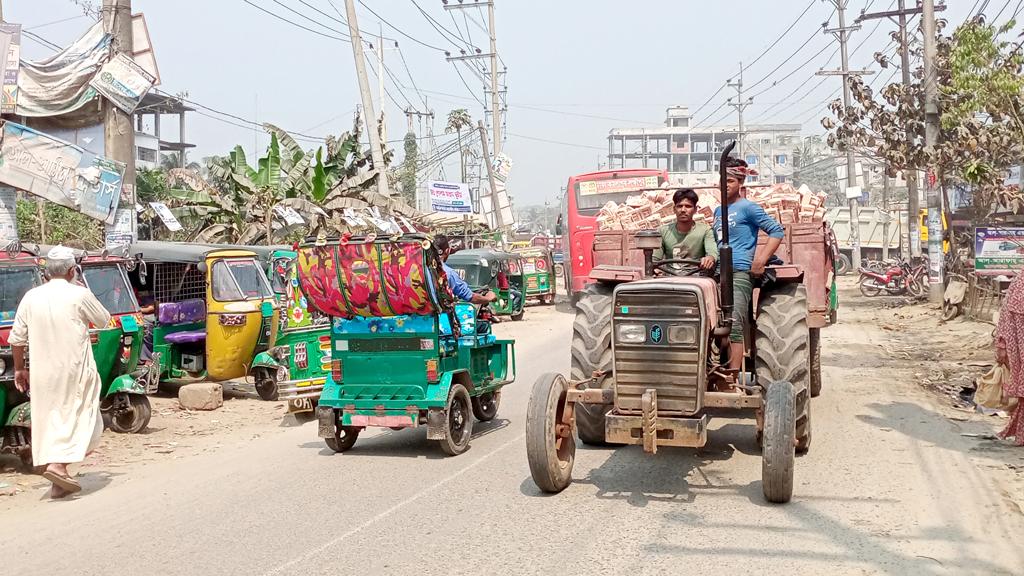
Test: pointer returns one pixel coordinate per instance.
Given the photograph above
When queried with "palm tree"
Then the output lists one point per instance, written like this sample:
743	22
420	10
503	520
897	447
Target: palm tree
173	160
459	119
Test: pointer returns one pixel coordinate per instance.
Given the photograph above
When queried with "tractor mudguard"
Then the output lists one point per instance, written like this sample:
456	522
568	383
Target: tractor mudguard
126	383
264	360
21	415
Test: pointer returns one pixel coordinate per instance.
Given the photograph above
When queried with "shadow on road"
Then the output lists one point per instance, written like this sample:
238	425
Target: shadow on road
406	443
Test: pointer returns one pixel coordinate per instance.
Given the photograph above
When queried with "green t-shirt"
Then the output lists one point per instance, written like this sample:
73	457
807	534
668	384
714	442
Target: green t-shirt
697	243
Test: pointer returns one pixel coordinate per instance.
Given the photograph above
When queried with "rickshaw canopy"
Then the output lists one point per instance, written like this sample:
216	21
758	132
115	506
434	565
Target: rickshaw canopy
374	278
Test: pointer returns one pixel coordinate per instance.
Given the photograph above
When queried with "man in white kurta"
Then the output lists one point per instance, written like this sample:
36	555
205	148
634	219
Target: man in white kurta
64	387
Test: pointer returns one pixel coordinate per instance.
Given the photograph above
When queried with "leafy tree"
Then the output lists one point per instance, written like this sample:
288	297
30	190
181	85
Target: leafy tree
63	226
979	76
408	170
459	120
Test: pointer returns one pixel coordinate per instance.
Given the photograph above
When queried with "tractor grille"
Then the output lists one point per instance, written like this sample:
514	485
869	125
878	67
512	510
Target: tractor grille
674	370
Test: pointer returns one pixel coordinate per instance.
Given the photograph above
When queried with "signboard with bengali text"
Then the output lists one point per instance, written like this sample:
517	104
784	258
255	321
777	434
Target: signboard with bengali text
998	248
452	197
617	185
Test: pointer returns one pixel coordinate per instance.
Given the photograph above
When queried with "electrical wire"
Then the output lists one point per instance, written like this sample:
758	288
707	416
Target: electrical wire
795	70
38	26
296	24
444	32
784	62
783	35
308	19
396	29
546	141
408	73
466	84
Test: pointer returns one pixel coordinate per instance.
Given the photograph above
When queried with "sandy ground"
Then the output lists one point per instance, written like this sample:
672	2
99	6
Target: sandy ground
892	485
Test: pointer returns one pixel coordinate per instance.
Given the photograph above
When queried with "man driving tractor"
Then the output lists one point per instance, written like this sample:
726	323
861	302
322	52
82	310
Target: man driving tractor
686	239
746	219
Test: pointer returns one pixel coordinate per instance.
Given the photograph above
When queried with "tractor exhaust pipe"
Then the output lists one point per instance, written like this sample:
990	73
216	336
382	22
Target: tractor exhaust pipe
725	251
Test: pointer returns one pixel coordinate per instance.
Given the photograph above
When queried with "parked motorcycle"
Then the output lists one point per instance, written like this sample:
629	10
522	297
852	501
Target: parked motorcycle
898	279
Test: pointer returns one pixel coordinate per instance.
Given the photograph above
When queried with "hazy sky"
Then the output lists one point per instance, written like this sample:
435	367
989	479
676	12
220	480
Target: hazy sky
576	68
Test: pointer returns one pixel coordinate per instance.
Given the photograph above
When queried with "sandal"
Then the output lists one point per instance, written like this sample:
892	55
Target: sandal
66	483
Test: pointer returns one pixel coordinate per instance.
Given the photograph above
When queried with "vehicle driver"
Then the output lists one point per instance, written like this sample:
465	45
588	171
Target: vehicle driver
459	287
685	238
746	220
514	295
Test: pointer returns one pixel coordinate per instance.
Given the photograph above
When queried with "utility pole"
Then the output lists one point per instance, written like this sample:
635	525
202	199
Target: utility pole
493	56
899	16
842	35
118	130
376	145
492	193
931	138
380	76
885	224
740	105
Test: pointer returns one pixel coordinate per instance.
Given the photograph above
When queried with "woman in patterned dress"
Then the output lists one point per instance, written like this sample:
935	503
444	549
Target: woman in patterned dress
1010	352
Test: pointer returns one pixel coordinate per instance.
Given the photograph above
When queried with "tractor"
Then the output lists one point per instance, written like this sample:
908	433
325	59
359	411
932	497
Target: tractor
649	354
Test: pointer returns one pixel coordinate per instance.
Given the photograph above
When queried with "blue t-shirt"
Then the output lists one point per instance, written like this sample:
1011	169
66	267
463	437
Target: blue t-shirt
745	220
461	290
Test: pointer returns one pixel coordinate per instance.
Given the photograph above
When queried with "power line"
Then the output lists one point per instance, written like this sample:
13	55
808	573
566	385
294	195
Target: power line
408	73
797	69
444	32
466	84
296	24
546	141
783	35
308	19
784	62
396	29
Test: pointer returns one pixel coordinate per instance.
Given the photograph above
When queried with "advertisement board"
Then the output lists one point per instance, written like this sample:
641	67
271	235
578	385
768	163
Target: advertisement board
998	248
10	63
450	197
617	185
123	82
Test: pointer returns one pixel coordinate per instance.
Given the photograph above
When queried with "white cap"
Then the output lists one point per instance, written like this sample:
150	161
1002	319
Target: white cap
60	253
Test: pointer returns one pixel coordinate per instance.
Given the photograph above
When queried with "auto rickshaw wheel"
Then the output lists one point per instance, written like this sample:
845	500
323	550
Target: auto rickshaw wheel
126	413
460	423
266	387
516	317
550	445
344	438
485	406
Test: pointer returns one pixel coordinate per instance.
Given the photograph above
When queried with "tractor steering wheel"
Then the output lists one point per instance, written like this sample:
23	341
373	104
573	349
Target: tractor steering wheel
693	266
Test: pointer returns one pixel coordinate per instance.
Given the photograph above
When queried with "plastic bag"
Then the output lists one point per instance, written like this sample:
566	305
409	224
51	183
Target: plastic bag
990	393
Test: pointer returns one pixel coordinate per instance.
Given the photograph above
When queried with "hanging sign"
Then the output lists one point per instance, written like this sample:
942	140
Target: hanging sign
8	215
10	64
165	214
450	197
123	82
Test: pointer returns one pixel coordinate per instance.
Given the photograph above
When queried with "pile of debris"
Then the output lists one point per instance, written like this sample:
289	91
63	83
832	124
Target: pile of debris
650	209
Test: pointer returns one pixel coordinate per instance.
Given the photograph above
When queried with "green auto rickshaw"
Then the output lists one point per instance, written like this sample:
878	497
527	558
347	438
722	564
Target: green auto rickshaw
296	367
538	273
497	270
404	354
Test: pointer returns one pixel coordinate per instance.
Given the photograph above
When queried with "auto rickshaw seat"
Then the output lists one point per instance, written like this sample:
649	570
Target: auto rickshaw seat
184	312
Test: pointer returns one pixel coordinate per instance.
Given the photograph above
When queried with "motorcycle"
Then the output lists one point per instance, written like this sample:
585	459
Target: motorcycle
895	280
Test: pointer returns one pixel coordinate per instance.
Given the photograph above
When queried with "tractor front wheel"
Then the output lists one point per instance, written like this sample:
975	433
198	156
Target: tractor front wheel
550	447
779	452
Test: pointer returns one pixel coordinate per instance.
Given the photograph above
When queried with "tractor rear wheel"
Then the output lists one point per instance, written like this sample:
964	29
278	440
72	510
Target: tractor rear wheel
551	454
592	352
784	353
779	453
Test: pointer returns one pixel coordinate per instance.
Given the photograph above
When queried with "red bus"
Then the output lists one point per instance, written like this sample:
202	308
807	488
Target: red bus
584	196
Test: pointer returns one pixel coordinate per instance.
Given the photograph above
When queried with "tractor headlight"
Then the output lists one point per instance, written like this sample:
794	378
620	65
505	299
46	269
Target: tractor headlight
631	333
682	334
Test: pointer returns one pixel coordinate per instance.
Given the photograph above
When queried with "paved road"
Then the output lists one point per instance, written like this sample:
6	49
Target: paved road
887	489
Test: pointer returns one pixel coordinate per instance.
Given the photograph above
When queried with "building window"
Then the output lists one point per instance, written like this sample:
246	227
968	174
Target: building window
146	154
780	179
700	165
751	160
780	159
700	146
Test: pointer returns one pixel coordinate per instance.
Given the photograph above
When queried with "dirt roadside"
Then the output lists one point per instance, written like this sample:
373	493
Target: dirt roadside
173	433
895	342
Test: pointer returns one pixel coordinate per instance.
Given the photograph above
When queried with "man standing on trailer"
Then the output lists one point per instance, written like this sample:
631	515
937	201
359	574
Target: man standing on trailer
746	220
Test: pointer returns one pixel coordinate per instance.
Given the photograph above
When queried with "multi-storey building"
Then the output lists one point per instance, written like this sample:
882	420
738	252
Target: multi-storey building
690	152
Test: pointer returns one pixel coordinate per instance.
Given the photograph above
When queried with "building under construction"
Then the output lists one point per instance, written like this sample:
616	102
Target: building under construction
690	152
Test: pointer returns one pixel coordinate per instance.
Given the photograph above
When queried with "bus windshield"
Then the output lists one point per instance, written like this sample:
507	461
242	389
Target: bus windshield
591	195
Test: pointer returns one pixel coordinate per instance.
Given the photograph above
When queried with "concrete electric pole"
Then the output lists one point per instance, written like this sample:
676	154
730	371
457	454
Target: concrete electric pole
496	108
492	193
913	199
372	129
118	130
931	138
740	105
842	34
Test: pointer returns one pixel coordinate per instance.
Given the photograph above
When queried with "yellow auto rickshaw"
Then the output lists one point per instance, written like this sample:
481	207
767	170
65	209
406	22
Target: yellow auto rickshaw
214	309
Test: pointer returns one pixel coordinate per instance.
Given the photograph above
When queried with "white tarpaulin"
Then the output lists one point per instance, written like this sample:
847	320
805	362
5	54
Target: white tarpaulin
60	83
